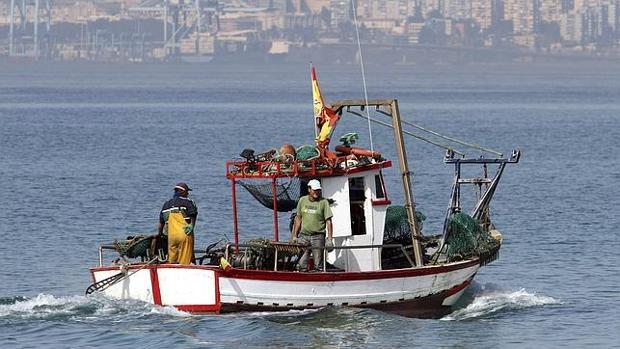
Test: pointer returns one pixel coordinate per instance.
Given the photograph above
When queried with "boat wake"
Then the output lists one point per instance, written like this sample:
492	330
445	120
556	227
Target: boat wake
50	307
487	302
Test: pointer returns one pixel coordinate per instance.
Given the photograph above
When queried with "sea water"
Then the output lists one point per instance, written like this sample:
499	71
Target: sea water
89	153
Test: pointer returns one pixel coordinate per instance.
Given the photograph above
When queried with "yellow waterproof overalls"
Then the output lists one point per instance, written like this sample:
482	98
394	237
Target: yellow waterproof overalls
180	244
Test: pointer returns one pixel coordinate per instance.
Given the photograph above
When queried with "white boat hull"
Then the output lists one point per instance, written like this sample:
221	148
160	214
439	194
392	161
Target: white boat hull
208	289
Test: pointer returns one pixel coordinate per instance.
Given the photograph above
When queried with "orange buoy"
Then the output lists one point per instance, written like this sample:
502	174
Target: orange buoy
358	151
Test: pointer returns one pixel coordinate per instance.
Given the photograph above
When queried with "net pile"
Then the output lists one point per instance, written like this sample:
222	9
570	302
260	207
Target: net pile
306	152
134	246
260	255
286	195
398	231
467	239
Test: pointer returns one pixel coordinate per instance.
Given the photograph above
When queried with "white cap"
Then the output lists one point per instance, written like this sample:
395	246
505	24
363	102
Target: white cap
314	185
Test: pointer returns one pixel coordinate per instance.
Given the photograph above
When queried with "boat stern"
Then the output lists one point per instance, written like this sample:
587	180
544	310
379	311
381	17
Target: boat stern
188	288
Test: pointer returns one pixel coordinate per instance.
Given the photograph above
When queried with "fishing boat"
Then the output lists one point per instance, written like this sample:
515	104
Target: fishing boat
380	257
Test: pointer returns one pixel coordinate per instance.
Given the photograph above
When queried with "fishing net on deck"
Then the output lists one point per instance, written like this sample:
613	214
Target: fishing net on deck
306	152
398	231
286	194
467	238
260	254
134	246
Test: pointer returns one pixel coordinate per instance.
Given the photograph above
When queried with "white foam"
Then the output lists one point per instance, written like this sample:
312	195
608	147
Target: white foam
45	306
495	301
169	310
42	305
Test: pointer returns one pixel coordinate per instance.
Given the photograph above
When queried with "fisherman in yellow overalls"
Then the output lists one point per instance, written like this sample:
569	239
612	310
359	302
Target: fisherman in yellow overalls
177	220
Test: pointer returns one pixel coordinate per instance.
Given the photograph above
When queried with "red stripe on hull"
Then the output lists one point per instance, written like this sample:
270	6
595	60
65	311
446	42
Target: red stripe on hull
155	287
456	289
218	301
339	276
382	202
197	309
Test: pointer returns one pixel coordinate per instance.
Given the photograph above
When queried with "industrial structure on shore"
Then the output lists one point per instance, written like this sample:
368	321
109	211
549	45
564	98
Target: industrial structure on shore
182	31
199	30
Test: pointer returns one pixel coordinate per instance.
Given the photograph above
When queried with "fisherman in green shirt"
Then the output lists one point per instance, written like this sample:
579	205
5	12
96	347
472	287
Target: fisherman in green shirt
313	220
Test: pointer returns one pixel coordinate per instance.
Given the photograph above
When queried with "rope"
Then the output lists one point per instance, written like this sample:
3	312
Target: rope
359	48
102	285
471	145
410	134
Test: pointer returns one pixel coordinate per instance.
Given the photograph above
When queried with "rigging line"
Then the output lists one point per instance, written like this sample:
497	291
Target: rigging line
359	50
471	145
443	146
455	140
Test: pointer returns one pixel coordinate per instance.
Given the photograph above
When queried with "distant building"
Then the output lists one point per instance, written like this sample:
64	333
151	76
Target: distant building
316	6
458	9
428	6
482	13
567	5
497	11
414	26
5	13
383	9
341	12
571	28
521	13
550	10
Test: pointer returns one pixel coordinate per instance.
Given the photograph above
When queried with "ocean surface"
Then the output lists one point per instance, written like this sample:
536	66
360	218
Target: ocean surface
88	154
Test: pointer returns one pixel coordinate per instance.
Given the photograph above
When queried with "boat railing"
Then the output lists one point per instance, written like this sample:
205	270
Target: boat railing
277	247
104	247
240	169
245	248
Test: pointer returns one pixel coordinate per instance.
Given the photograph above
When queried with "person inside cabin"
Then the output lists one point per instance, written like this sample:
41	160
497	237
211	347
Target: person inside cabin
312	223
177	220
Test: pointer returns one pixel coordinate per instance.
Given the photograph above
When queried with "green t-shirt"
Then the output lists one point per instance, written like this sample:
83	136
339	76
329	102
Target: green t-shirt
313	215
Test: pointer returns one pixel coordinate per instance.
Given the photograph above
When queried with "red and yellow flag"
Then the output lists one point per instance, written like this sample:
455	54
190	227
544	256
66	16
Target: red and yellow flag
326	118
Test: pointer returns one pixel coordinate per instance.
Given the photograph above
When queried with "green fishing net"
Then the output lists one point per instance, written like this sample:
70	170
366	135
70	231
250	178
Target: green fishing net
397	228
134	246
467	239
306	152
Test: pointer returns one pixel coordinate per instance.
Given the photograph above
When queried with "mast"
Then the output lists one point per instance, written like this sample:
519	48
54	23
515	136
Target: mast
406	177
392	104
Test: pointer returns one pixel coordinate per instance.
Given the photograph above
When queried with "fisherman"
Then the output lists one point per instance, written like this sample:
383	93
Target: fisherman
313	220
177	220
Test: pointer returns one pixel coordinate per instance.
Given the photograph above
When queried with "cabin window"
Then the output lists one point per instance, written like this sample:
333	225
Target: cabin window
357	197
379	187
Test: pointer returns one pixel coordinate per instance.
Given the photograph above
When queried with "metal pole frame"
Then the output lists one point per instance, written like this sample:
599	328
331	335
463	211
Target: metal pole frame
406	178
274	191
392	105
234	208
166	28
36	29
11	28
198	26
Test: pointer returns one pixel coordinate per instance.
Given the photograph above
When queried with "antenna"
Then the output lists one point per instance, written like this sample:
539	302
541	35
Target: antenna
359	49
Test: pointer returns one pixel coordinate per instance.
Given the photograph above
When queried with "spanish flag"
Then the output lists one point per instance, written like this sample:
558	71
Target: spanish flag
326	118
